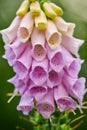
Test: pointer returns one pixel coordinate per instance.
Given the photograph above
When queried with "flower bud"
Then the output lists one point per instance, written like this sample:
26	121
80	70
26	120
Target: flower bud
23	8
41	21
57	9
49	11
35	8
32	0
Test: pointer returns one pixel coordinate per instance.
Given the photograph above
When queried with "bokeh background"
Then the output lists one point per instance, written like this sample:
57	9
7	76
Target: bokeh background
74	11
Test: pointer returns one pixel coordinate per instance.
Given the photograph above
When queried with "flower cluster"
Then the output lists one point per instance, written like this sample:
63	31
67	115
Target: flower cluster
40	47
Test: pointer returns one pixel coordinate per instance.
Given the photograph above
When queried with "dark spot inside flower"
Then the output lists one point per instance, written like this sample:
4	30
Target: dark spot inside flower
53	76
38	89
39	72
53	41
39	51
46	107
57	59
23	33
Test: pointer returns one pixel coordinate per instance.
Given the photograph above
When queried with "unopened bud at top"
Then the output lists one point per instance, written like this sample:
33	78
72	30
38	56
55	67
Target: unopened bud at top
32	0
41	21
35	8
49	10
57	9
23	8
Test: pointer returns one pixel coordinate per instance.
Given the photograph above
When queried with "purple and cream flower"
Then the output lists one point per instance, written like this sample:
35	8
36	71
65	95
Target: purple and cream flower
44	56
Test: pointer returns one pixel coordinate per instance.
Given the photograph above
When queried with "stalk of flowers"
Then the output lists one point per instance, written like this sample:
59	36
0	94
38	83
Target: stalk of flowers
41	48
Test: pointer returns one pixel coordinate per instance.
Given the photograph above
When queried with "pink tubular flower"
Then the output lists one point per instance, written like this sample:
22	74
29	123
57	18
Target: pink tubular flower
38	43
63	100
72	65
37	91
25	28
53	37
46	105
39	72
64	27
26	103
9	34
54	78
73	44
56	57
74	68
22	64
75	87
20	85
14	51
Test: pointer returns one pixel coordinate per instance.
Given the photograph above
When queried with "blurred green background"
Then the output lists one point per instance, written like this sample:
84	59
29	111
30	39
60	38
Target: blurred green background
74	11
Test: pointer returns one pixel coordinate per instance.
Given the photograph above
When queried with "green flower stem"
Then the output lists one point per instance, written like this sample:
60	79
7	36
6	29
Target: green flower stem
49	124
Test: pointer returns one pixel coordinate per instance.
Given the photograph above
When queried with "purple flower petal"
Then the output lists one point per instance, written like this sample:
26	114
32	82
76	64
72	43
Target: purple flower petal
54	78
14	51
63	100
72	44
38	43
9	34
75	87
25	28
56	57
46	105
20	85
37	91
26	103
22	65
39	72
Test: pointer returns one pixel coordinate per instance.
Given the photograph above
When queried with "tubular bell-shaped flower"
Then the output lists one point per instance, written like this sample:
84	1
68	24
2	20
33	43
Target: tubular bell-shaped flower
64	27
25	28
39	72
20	85
37	91
63	100
46	105
73	44
26	103
74	86
38	45
22	64
9	34
56	57
53	37
72	64
14	51
54	78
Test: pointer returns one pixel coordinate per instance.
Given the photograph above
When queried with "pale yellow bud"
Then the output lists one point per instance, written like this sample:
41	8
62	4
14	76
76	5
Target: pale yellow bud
49	11
32	0
57	9
23	8
41	21
35	8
